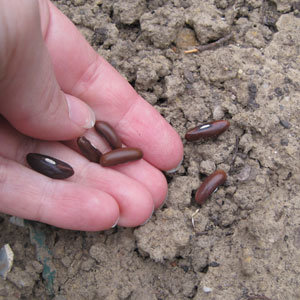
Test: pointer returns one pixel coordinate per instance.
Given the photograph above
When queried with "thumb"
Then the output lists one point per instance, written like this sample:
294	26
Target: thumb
31	99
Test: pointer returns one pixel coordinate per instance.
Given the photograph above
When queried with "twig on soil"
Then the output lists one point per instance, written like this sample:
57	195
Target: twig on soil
210	46
258	297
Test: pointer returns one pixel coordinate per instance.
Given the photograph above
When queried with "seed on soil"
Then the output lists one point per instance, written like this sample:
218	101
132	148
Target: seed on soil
119	156
88	150
49	166
105	130
209	185
207	130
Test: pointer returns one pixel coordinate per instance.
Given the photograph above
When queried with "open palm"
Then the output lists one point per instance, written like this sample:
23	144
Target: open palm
49	79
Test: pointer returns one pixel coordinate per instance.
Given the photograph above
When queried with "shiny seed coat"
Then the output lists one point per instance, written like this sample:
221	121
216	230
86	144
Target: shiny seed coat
209	185
88	150
207	130
49	166
119	156
105	130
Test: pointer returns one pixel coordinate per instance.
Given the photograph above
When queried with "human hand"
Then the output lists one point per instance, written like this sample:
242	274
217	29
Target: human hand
49	79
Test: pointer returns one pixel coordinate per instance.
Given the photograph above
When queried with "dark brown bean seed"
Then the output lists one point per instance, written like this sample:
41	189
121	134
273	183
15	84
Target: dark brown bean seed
88	150
209	185
120	156
207	130
105	130
49	166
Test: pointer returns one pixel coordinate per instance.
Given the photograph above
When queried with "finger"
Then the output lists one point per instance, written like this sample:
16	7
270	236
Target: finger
27	194
31	99
96	82
141	171
134	200
150	177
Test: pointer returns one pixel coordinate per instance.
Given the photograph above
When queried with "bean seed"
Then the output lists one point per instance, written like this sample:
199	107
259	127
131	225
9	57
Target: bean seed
105	130
119	156
49	166
209	185
88	150
207	130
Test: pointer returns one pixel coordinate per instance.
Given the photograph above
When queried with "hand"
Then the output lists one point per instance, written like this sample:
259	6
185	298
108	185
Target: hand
53	85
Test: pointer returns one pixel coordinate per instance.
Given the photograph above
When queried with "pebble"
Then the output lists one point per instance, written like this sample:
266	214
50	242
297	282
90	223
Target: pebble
6	260
207	289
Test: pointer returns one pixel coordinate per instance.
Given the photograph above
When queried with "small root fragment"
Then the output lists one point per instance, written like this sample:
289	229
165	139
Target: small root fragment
212	45
193	215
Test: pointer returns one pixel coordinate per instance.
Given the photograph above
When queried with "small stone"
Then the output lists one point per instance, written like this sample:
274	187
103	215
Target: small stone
285	124
207	289
6	260
279	92
284	142
17	221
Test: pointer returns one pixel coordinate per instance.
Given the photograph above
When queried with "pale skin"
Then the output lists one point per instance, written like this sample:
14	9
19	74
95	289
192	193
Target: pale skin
53	86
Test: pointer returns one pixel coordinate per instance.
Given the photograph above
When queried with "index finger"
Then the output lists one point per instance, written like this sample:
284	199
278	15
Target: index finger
81	72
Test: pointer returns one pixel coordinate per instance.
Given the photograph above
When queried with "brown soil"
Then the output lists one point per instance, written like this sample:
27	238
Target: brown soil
245	243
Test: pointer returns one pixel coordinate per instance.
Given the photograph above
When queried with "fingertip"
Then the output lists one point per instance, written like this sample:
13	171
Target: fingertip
150	177
175	154
137	211
161	189
159	204
80	209
142	126
102	214
171	171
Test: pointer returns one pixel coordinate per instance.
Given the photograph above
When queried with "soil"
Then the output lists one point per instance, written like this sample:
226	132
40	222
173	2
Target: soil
245	242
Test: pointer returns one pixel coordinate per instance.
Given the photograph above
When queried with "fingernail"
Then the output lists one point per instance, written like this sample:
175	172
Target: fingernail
116	223
175	169
166	198
148	218
80	113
